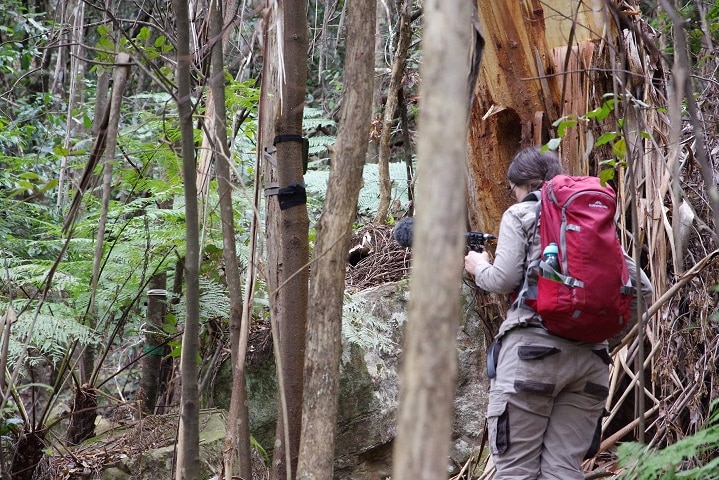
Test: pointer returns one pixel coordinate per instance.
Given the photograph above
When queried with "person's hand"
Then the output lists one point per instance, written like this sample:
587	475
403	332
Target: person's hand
474	259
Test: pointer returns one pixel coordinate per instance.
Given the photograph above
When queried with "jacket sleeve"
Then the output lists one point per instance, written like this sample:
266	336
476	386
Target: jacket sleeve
506	273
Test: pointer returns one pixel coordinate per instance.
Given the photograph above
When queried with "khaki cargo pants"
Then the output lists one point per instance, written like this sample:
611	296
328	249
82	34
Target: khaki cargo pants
545	404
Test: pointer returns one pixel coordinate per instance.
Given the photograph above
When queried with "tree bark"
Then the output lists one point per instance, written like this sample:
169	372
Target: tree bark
207	152
429	366
77	74
395	84
287	233
334	228
188	449
82	422
380	66
237	457
154	349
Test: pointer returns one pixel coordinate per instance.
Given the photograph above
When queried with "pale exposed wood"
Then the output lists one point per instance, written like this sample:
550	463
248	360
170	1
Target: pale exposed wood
559	15
573	64
508	97
610	53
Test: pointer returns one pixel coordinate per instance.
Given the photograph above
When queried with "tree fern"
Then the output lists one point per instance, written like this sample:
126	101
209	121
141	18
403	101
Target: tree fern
214	302
55	330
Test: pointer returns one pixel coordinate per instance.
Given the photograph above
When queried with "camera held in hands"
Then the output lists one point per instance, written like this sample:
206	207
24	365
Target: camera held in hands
476	241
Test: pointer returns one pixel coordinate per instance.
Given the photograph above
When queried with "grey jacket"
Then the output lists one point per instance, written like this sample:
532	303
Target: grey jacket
517	245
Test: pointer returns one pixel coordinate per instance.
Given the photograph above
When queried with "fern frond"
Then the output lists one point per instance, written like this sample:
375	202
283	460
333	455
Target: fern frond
320	144
650	463
361	328
214	302
51	337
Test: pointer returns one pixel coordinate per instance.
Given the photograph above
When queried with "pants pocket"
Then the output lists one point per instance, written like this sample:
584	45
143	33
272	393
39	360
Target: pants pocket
498	427
537	369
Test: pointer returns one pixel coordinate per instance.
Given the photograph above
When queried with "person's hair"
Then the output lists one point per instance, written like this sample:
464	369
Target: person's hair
532	166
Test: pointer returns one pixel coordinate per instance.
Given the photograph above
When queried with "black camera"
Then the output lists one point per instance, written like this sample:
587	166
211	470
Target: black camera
476	241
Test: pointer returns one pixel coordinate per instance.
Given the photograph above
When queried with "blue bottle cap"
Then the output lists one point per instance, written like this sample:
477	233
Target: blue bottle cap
551	249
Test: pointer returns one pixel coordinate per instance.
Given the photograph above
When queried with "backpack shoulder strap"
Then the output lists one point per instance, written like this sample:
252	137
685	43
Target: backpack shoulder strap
520	301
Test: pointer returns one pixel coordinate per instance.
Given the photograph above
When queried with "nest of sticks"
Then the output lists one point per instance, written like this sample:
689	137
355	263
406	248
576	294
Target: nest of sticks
375	258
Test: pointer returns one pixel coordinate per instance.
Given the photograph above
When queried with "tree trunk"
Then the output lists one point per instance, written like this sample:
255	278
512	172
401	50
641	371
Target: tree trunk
82	422
334	228
395	84
562	59
380	66
528	79
287	233
154	349
237	457
429	366
188	448
77	74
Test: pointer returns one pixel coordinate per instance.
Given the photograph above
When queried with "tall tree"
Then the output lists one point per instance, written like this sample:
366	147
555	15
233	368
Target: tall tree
237	457
334	228
77	72
287	226
429	365
82	423
188	448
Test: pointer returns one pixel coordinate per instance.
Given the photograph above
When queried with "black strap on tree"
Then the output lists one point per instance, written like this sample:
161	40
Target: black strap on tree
295	193
296	138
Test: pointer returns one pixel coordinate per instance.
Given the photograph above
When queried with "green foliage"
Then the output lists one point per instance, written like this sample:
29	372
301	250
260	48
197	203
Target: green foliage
614	138
144	234
214	302
28	124
146	44
49	333
699	34
19	32
368	199
25	226
672	462
320	131
361	328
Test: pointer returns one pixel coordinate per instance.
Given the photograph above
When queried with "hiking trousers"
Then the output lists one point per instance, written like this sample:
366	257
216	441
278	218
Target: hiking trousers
545	405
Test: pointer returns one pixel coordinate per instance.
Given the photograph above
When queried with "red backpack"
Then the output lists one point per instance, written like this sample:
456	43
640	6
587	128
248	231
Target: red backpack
588	299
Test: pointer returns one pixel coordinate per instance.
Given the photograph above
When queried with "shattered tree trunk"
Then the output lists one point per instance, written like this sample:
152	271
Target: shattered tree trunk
519	94
547	60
